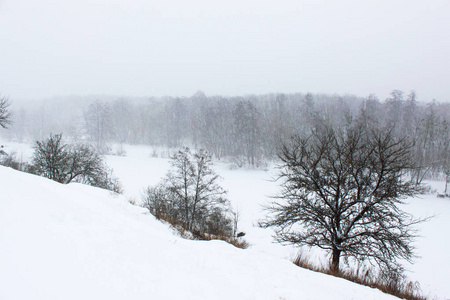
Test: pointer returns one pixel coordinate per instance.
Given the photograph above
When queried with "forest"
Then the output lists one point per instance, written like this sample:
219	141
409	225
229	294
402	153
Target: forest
245	130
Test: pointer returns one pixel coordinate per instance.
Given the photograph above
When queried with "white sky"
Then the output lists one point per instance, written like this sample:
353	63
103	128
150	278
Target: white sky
173	47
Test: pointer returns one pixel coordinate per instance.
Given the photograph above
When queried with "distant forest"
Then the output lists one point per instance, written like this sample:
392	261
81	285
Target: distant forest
246	130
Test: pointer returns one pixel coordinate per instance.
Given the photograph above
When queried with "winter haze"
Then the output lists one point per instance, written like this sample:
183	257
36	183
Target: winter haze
153	48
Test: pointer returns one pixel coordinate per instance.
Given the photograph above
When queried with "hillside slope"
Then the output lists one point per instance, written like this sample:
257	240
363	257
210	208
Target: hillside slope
78	242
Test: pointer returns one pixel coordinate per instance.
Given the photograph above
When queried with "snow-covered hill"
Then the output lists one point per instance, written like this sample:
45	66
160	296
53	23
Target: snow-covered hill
249	190
78	242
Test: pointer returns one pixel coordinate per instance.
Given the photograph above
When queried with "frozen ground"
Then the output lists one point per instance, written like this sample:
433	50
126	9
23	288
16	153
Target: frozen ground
63	236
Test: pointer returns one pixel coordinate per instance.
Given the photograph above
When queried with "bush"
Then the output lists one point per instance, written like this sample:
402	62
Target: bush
158	201
104	179
10	160
65	163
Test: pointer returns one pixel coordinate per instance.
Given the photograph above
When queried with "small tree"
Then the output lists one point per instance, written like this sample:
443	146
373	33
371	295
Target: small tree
191	196
65	163
51	159
5	115
340	192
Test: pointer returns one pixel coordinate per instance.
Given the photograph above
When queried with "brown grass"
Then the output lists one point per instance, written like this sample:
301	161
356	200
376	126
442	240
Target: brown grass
237	242
196	235
400	288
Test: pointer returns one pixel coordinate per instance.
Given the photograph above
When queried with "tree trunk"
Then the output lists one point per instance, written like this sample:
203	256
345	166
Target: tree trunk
335	256
447	179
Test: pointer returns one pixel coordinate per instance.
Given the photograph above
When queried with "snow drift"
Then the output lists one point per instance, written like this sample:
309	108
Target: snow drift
79	242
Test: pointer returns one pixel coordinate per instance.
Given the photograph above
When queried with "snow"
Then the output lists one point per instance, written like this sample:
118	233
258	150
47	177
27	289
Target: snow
432	268
249	190
79	242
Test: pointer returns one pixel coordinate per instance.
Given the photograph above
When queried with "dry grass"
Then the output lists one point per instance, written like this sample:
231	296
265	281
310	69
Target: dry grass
400	288
237	242
196	235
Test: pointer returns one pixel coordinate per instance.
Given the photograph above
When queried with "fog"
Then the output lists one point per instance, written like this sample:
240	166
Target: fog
153	48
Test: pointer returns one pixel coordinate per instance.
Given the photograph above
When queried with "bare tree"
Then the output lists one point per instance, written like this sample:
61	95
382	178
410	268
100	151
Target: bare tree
5	115
194	182
65	163
176	126
98	124
191	196
247	131
121	120
51	159
340	192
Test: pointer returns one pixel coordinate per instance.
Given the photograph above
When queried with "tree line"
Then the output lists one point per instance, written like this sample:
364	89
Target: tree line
246	130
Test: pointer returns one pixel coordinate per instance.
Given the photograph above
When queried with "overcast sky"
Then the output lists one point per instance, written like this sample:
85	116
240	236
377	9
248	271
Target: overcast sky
173	47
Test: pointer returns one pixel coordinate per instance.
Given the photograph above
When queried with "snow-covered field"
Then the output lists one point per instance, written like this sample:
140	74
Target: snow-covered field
79	242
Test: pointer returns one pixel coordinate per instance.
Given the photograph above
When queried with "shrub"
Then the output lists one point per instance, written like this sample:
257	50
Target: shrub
65	163
10	160
158	201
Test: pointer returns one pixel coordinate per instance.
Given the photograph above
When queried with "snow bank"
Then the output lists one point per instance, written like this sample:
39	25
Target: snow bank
79	242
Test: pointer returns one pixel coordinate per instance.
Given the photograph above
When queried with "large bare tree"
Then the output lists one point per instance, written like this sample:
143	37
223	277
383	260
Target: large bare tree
340	192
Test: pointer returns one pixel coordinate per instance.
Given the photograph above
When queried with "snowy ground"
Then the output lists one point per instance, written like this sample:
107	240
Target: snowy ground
79	242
